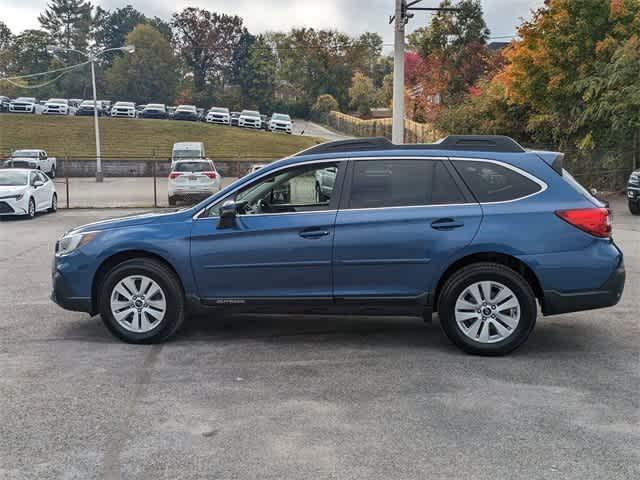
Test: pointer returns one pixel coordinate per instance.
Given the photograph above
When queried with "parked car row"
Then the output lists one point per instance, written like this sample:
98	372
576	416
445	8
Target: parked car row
277	122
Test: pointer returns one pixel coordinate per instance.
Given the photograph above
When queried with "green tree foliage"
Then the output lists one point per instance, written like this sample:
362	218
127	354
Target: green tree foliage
363	94
112	27
6	39
151	73
207	42
319	61
68	22
257	75
323	105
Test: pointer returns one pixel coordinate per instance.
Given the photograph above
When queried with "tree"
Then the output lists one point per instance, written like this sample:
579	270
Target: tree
6	39
323	105
362	93
149	73
456	43
258	74
68	22
207	42
371	45
112	27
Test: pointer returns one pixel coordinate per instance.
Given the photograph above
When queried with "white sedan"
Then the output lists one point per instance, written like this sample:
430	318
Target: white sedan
25	192
193	180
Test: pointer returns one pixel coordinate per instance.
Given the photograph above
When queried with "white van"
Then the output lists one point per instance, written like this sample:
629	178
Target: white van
187	151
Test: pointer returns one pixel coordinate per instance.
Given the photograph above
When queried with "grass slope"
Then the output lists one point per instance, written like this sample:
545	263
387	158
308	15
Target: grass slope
122	138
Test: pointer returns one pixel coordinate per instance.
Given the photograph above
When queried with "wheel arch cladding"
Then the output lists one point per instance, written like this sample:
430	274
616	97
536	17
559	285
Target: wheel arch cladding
116	259
509	261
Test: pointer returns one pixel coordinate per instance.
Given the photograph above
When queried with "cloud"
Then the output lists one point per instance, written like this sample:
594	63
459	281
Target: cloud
353	16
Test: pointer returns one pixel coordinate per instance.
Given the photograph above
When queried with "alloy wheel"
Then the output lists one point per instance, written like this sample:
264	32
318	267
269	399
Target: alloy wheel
487	312
138	303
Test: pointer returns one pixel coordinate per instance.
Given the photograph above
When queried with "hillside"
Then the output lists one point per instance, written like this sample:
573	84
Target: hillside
122	138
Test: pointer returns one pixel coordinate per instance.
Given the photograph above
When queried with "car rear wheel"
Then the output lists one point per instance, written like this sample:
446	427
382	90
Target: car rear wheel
634	208
54	204
487	309
141	301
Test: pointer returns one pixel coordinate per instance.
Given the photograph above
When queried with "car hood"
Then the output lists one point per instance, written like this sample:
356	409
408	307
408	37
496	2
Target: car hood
6	191
129	221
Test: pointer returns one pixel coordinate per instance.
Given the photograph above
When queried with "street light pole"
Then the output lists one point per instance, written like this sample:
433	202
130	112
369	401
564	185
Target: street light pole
92	57
96	125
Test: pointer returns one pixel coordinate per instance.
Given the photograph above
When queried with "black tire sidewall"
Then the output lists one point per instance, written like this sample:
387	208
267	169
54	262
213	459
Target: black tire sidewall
54	203
634	208
487	272
31	202
165	279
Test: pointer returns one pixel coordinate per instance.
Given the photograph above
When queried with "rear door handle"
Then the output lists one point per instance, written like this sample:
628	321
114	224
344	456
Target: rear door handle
446	224
314	233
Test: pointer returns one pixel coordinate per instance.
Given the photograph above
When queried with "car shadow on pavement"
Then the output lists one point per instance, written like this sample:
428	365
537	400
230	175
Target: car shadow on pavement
547	338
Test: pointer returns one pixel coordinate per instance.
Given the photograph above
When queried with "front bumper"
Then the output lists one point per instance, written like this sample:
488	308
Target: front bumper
124	114
21	109
607	295
11	206
221	121
61	295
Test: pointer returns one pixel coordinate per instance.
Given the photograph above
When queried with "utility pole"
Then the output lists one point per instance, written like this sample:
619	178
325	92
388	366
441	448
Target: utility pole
400	19
397	133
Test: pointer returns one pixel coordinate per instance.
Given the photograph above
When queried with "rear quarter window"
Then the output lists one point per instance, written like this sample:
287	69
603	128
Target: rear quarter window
491	182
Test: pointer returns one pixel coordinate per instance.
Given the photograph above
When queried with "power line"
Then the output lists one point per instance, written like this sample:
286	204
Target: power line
41	74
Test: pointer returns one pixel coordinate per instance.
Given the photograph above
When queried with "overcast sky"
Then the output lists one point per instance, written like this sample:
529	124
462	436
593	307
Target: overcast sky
352	16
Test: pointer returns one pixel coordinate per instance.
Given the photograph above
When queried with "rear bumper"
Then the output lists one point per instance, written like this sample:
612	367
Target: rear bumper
61	295
608	295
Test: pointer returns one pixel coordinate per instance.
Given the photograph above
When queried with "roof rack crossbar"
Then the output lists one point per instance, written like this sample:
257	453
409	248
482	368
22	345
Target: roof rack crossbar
478	143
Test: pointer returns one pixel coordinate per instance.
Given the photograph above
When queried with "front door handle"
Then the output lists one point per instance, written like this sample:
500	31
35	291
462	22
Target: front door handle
446	224
314	233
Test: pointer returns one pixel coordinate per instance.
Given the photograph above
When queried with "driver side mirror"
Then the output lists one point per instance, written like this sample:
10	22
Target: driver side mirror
37	183
228	212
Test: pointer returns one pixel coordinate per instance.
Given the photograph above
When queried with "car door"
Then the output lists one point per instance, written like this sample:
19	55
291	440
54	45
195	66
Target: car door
278	246
400	221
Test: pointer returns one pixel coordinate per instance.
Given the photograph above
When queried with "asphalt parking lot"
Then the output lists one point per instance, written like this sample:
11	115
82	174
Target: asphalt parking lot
308	398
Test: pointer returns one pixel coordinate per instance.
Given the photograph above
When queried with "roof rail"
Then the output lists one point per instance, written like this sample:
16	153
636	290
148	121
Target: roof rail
478	143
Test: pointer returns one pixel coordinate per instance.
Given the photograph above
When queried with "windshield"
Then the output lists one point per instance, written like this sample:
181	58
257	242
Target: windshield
25	99
124	104
12	179
250	113
279	116
187	154
193	167
155	105
58	100
87	103
219	110
187	108
25	154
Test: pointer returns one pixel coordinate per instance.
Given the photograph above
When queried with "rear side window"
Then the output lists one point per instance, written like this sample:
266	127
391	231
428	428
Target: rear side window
494	183
401	183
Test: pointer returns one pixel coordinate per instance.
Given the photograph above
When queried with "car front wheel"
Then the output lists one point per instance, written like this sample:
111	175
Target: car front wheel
634	208
487	309
31	209
54	204
141	301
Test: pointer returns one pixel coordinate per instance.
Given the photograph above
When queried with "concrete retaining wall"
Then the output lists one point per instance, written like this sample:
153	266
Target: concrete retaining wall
143	167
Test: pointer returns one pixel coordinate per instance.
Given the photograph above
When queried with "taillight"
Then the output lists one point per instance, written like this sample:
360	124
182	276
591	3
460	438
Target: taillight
210	174
174	175
596	221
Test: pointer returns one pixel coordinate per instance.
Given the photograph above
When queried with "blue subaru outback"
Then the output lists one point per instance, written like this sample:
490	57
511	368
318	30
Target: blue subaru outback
475	228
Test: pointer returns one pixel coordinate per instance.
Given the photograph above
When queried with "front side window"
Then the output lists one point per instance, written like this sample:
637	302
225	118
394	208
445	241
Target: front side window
402	183
305	188
491	182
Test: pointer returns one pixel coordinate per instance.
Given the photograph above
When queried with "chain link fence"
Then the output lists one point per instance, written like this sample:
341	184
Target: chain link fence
131	182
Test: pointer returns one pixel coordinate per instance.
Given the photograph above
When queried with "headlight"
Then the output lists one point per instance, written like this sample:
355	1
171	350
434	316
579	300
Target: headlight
69	243
634	179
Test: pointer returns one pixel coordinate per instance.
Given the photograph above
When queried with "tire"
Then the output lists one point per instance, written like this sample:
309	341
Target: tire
52	173
31	213
634	208
171	292
172	201
500	338
54	204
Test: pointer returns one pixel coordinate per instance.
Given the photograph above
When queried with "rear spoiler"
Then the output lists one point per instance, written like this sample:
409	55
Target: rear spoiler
554	159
